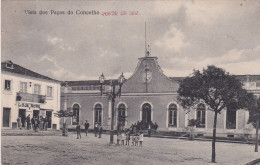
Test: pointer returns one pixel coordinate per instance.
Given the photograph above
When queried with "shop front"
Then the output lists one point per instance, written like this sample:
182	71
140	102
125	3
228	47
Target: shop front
35	111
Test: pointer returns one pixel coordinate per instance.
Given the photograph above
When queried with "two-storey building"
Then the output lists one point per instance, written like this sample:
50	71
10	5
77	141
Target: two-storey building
24	93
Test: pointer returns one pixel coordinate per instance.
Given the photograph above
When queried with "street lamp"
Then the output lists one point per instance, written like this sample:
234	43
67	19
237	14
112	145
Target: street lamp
101	80
112	94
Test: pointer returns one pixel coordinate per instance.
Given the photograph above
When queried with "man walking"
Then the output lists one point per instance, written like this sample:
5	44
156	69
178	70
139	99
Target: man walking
86	127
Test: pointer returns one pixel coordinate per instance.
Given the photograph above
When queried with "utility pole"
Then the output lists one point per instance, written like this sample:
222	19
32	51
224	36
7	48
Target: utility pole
112	94
256	134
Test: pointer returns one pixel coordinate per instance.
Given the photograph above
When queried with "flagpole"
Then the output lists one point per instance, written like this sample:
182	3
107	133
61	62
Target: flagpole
145	39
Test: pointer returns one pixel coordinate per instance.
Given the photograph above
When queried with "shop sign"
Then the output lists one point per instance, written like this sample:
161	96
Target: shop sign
42	112
28	105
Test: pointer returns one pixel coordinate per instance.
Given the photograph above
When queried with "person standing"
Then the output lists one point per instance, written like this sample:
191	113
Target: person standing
133	139
100	130
118	138
28	121
19	122
45	122
141	139
41	123
33	123
155	126
78	131
96	129
123	138
86	127
36	124
136	139
127	137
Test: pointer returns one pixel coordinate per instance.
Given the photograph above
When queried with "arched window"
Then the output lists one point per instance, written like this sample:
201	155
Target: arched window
201	115
121	114
146	113
98	113
75	118
172	122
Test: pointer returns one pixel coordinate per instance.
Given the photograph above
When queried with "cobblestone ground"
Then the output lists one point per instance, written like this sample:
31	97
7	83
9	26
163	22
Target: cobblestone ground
90	150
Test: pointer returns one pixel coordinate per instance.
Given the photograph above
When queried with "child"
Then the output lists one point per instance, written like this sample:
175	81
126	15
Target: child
141	139
136	139
127	137
133	139
123	138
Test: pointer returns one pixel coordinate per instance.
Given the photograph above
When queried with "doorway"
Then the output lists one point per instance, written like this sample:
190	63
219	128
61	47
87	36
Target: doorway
22	114
36	113
48	116
75	118
146	113
6	117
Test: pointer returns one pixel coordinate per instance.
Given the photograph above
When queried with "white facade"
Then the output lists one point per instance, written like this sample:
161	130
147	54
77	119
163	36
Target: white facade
35	99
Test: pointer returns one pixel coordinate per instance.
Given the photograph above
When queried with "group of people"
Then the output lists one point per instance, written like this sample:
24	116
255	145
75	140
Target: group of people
86	124
34	123
98	130
125	136
143	125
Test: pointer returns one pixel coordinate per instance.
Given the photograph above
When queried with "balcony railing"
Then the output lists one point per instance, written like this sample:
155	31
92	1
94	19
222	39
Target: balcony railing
27	97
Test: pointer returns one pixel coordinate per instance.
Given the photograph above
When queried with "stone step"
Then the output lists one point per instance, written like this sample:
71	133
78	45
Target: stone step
13	132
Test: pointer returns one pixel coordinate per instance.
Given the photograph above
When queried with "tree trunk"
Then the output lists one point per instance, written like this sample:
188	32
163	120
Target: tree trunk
64	129
256	134
213	156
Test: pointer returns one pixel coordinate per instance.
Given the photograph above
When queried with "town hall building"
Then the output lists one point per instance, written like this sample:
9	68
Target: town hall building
149	95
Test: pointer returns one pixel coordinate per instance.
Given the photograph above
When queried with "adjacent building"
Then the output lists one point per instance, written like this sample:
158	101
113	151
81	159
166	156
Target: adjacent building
24	93
149	95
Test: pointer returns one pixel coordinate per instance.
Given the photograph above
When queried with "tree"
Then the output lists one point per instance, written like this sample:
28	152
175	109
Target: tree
254	118
218	89
64	114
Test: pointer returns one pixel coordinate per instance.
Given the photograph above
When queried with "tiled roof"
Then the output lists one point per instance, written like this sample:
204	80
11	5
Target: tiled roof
178	79
250	77
88	82
14	68
240	77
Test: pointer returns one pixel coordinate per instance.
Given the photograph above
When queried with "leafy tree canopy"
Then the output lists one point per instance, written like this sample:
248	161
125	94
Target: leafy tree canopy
63	113
217	88
254	112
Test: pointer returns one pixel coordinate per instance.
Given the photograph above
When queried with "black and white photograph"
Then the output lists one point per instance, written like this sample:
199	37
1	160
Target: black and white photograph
127	82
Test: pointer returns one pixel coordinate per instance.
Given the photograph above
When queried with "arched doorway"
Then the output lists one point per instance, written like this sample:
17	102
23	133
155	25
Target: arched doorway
121	116
146	113
98	114
75	118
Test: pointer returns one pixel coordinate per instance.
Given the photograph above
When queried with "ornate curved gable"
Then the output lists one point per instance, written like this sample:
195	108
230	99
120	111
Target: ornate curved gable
149	78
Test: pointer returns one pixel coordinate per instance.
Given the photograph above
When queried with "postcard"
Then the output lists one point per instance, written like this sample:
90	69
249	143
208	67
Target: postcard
130	82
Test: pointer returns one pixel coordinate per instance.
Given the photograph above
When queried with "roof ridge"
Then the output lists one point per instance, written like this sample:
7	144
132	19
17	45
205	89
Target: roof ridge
24	71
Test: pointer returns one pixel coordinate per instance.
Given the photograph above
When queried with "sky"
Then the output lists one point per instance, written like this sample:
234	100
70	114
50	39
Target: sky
184	35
